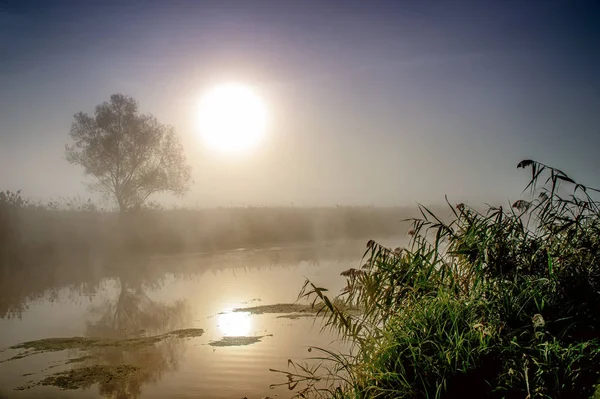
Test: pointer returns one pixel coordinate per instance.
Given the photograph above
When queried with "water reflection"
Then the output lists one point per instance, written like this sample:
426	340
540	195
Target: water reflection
133	314
152	362
44	278
234	324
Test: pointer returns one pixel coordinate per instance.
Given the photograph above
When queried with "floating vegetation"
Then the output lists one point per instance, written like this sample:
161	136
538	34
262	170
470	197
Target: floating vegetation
295	316
59	344
279	308
187	333
252	300
85	374
84	377
79	359
294	311
84	343
238	341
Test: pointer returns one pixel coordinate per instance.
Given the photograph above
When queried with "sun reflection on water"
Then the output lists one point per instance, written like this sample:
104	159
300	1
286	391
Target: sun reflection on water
234	324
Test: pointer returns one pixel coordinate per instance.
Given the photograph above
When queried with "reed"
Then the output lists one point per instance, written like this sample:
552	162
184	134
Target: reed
503	303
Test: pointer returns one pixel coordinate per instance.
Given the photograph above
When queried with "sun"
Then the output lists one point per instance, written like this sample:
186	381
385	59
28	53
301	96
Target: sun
232	118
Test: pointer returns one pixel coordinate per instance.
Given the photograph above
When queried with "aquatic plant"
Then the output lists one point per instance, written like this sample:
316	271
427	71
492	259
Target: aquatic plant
502	304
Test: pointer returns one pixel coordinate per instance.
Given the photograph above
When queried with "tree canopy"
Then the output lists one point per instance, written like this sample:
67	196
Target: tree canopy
129	155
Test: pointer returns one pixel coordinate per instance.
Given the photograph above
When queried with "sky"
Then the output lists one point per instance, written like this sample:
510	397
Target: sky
369	102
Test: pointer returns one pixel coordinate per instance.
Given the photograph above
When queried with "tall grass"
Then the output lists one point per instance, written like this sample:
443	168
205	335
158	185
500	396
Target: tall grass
502	304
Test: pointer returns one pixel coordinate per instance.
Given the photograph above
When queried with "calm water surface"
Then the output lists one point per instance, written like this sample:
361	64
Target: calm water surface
143	297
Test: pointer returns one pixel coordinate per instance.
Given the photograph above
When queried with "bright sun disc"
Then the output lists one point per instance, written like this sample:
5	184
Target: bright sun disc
232	118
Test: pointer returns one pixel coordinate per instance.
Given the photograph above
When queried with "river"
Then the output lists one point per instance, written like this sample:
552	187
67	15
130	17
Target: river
129	312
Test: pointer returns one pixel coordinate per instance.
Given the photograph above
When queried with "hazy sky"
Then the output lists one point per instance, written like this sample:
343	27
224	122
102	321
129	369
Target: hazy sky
370	102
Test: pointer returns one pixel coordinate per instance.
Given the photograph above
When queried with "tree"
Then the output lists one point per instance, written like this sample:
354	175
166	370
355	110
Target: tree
130	155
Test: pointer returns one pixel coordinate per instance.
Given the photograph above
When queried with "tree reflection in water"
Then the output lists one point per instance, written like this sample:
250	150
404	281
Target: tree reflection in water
133	314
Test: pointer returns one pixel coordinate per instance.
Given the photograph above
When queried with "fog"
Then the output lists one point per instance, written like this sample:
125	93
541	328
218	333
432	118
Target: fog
367	106
146	252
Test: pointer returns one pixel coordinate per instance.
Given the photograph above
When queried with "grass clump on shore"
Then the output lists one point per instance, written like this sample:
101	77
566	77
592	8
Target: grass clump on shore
496	304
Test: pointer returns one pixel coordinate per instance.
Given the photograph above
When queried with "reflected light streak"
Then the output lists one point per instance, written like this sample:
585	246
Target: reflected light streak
234	324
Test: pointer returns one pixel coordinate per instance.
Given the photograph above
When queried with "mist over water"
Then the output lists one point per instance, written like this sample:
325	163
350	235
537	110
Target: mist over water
186	187
153	302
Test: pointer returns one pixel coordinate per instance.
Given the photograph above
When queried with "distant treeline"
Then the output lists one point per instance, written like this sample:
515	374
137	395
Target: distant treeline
80	227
